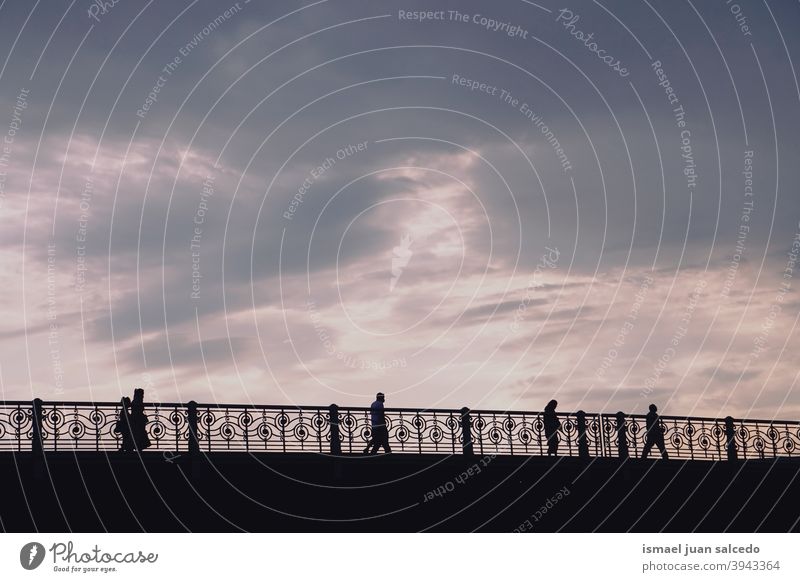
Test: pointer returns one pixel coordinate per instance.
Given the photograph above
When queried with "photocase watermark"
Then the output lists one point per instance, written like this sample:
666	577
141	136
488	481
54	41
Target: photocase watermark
741	19
53	341
31	555
548	134
568	18
548	260
346	359
100	8
744	227
664	82
151	391
198	223
67	559
626	328
95	560
172	66
14	126
506	97
461	479
491	24
318	171
687	154
680	332
401	255
548	505
81	236
760	341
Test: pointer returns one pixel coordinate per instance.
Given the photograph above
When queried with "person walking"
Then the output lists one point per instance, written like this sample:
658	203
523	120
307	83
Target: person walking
123	426
654	434
551	427
380	432
139	421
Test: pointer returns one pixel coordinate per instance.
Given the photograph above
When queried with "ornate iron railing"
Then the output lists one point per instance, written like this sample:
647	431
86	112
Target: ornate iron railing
410	431
84	426
262	428
522	433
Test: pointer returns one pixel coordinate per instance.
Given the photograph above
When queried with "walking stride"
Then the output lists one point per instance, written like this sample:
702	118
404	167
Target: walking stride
655	434
380	432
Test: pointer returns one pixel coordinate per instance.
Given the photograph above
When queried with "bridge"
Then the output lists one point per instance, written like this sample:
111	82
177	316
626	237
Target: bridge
247	467
193	427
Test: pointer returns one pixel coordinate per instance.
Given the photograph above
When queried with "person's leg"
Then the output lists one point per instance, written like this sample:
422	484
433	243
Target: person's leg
377	439
552	445
380	437
663	448
648	444
374	443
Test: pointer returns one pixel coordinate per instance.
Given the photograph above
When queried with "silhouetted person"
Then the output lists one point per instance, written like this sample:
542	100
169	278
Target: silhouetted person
551	426
654	435
123	426
380	432
139	421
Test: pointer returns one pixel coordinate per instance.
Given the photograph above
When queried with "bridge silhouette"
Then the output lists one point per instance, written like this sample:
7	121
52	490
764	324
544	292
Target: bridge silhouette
232	467
192	427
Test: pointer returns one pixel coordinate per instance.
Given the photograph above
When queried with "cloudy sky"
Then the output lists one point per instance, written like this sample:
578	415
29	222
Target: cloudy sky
307	202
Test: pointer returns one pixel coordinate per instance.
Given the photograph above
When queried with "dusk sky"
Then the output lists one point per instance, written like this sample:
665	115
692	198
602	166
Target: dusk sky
497	204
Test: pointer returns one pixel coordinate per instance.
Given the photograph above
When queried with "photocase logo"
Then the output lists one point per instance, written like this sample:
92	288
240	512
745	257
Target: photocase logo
31	555
401	256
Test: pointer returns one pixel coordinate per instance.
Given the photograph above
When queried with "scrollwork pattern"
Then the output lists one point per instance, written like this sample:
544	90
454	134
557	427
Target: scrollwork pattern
86	426
16	427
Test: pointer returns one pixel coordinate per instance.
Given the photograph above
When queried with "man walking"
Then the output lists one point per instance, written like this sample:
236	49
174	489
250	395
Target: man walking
380	432
654	435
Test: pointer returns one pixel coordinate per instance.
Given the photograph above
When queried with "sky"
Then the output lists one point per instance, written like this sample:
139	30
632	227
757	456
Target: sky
482	204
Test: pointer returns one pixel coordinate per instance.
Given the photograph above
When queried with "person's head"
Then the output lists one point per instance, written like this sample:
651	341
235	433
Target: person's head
653	408
380	397
551	405
138	395
126	402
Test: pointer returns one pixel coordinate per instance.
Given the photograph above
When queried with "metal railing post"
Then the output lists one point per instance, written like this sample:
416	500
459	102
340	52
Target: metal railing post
466	431
583	443
730	438
333	419
36	444
622	436
194	442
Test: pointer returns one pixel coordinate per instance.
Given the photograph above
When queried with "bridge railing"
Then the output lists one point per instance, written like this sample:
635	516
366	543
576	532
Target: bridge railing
522	433
85	426
699	438
262	428
410	430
